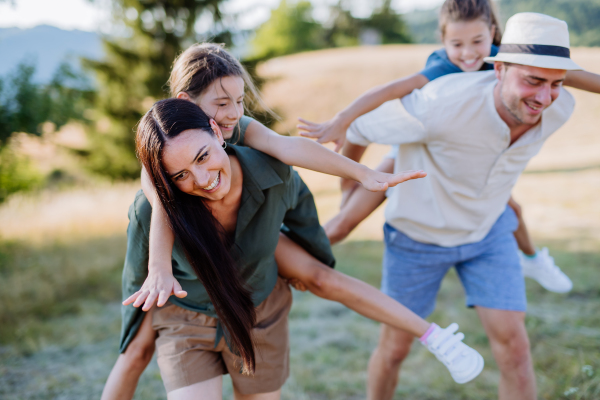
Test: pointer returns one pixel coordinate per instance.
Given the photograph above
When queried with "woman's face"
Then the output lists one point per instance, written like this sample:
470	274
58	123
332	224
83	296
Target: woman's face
467	43
197	164
223	100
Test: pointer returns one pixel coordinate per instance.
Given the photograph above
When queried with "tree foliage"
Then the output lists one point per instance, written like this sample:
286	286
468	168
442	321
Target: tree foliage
135	70
292	28
582	16
25	104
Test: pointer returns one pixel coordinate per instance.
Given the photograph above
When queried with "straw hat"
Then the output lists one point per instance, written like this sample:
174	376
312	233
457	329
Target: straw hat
537	40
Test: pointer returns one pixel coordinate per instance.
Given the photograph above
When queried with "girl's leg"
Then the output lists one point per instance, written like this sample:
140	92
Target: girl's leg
358	206
130	365
521	234
211	389
295	263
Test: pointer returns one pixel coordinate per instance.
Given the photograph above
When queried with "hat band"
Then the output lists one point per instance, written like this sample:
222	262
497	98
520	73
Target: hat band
537	49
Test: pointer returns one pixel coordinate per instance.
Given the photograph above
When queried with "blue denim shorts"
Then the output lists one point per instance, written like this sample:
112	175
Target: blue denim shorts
489	270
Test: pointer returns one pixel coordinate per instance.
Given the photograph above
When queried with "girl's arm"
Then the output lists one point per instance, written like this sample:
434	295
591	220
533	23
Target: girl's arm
335	129
160	283
307	154
583	80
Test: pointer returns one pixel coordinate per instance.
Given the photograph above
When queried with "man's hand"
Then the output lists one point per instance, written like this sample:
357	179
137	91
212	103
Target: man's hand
160	284
333	130
376	181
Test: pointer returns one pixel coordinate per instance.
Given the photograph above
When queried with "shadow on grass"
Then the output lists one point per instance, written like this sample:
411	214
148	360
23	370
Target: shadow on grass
63	301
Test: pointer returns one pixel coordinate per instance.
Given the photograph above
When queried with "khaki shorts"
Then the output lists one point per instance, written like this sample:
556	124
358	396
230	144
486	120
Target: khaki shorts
187	353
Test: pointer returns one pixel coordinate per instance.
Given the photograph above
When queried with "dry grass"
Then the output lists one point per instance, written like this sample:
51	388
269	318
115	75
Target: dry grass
67	215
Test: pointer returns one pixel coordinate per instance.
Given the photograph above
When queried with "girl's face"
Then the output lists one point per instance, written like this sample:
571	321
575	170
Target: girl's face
467	43
197	164
223	99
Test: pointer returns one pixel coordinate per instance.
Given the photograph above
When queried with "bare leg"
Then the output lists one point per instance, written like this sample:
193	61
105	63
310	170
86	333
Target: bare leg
260	396
359	204
211	389
130	365
384	365
510	345
295	263
521	234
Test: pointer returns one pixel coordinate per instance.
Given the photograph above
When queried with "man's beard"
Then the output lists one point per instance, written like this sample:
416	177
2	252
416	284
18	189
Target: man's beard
513	111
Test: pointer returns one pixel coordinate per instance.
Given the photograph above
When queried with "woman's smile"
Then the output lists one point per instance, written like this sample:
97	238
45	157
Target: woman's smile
214	186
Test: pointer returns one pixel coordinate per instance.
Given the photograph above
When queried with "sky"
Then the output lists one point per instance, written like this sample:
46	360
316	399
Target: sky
93	15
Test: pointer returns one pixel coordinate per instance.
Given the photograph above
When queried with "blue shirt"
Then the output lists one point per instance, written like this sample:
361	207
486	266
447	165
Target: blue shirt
438	64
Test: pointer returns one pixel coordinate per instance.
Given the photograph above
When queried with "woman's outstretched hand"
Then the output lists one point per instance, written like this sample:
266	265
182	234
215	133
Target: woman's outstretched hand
157	288
376	181
333	130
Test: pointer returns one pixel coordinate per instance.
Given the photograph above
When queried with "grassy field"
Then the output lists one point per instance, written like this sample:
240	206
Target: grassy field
61	255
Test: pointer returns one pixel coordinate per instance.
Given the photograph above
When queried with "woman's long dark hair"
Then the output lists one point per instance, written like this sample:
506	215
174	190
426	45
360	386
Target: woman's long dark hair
204	240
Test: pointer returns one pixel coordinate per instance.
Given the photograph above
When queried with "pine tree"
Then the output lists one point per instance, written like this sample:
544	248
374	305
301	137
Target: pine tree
135	69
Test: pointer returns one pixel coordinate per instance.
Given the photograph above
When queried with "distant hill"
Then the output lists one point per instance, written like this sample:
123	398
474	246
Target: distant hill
47	47
582	16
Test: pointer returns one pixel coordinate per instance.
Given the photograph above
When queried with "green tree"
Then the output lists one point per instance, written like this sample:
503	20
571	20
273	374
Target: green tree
24	106
290	29
582	16
135	69
389	24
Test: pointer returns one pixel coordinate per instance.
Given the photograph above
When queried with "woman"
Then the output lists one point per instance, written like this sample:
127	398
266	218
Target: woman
226	216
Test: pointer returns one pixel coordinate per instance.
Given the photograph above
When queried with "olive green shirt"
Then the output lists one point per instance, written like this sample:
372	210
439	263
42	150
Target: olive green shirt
274	199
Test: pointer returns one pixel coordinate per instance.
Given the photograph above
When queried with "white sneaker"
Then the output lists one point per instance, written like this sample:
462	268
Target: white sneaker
545	272
463	362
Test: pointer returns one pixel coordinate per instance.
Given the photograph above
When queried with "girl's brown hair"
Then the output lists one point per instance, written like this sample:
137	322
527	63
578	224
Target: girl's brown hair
205	242
202	64
469	10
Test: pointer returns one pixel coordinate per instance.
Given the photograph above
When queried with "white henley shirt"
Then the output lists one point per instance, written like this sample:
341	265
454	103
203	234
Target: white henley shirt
451	130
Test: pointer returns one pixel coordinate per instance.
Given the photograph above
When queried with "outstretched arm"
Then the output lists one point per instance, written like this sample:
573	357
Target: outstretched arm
160	283
334	130
305	153
583	80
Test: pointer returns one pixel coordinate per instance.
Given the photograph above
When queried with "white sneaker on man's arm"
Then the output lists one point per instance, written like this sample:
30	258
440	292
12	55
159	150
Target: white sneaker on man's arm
463	362
541	267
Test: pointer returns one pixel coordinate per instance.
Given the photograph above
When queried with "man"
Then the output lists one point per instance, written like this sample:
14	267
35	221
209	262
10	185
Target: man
474	134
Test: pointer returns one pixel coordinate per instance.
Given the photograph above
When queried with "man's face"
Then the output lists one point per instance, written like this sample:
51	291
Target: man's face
526	91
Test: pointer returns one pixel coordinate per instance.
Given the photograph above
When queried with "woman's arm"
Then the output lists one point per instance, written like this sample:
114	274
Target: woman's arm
160	283
305	153
335	129
583	80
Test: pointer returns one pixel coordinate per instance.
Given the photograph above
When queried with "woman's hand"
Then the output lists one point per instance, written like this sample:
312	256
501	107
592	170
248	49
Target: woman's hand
333	130
376	181
160	284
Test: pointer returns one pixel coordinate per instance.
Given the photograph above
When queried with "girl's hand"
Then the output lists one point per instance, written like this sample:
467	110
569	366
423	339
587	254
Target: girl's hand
333	130
376	181
160	284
